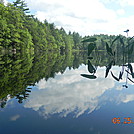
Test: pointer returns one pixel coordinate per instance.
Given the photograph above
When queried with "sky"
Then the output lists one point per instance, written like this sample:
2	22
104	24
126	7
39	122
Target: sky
87	17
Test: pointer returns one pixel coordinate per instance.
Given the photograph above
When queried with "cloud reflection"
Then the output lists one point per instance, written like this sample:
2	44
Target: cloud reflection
71	93
129	98
68	93
15	117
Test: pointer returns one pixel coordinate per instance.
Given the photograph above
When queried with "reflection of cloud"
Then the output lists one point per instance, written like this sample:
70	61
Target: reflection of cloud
71	92
41	84
68	93
120	87
15	117
129	98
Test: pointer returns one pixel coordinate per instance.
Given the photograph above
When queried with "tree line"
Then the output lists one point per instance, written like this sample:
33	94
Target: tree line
24	32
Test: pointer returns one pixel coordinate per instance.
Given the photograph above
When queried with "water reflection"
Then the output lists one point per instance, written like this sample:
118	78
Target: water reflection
54	83
70	93
21	70
77	92
23	95
126	53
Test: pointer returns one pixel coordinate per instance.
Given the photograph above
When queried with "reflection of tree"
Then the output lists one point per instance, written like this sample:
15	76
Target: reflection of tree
23	95
108	67
119	52
126	53
3	101
17	71
91	68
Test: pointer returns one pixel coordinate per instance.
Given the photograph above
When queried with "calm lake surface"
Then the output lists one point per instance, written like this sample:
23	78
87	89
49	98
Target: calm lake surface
64	102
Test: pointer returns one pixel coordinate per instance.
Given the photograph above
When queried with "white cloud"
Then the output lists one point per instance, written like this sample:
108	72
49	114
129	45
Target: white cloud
15	117
86	17
126	2
120	11
5	2
122	3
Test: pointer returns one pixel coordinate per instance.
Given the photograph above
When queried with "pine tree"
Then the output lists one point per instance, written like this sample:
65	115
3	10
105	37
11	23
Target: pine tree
21	5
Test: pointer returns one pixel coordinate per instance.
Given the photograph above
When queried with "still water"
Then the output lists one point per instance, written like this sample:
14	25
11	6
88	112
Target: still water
66	102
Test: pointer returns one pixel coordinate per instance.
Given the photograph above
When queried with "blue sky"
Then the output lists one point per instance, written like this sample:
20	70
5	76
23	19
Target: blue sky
87	17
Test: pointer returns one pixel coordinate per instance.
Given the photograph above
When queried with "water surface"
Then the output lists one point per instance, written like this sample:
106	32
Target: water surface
53	98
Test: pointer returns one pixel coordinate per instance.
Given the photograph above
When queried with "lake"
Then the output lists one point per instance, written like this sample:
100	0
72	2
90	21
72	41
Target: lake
55	93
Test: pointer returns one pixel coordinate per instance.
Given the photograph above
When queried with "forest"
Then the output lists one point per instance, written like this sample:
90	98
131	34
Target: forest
21	31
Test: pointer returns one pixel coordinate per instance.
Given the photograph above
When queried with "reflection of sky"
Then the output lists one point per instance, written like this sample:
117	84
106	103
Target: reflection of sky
15	117
70	92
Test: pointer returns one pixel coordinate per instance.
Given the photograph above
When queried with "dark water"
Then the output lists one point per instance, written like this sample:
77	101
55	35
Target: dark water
46	94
